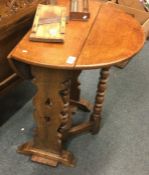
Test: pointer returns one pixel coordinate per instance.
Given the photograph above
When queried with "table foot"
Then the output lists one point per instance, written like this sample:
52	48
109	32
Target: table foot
45	157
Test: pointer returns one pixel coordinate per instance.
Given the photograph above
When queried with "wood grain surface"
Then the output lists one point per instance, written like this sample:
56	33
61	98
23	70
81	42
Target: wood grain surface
115	37
53	54
110	36
140	15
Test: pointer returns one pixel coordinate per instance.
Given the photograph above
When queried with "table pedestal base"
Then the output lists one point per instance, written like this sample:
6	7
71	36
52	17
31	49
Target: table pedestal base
57	92
45	157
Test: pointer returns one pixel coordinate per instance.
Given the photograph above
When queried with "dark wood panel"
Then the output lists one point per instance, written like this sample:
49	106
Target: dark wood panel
15	19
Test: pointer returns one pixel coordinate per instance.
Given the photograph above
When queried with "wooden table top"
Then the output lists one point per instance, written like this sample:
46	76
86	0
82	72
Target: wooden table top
110	36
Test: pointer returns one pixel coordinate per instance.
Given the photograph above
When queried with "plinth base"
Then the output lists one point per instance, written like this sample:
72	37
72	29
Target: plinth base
48	158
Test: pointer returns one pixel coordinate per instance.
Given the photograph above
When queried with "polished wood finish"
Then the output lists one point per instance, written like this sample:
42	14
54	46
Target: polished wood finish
99	99
133	3
139	14
108	47
46	157
136	10
27	51
52	115
56	67
123	27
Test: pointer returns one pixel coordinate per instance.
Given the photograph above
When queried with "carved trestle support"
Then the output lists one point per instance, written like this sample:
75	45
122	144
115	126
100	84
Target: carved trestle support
52	116
96	115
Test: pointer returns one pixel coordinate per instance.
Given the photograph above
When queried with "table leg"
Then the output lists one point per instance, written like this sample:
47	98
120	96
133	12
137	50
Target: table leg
52	115
99	99
75	86
76	101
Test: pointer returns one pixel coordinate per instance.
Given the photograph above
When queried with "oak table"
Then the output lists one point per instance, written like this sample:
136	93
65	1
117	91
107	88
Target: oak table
109	37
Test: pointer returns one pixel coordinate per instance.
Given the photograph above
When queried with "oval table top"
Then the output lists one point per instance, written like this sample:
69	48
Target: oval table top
109	37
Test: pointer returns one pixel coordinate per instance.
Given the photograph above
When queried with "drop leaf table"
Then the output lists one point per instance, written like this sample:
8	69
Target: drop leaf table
109	37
